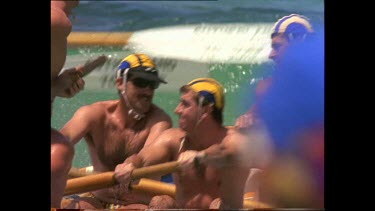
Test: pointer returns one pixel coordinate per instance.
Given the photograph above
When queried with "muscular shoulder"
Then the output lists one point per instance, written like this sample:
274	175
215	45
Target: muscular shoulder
171	136
60	23
65	6
60	144
254	146
234	134
96	110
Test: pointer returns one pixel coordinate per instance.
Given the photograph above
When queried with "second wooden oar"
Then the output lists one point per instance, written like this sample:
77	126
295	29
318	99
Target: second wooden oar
106	179
81	172
154	187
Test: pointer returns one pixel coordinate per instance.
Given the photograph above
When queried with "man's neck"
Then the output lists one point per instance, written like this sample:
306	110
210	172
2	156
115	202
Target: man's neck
127	119
207	134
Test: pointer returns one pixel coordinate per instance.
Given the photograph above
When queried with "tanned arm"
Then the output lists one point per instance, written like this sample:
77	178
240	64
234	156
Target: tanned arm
79	125
160	151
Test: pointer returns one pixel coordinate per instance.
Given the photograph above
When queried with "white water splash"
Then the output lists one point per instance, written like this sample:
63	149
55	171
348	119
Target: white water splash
209	43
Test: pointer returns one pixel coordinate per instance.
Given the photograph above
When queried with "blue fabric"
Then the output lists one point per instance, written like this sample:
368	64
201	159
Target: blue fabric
167	178
295	100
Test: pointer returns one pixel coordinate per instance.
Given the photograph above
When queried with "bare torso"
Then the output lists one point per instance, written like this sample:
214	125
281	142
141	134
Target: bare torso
110	144
197	188
111	140
200	186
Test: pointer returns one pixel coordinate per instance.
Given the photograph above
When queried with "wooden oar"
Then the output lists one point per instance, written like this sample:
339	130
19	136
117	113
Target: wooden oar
147	186
99	38
255	204
89	183
81	172
106	179
154	187
83	70
90	65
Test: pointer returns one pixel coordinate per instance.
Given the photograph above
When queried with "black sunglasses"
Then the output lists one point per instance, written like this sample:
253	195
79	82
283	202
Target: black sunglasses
142	83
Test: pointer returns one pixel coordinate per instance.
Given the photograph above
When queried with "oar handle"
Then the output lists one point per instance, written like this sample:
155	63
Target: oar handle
99	38
107	179
153	187
91	65
89	183
81	172
155	170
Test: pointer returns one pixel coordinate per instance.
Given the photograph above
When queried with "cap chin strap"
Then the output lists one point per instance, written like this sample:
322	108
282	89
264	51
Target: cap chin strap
137	116
132	112
200	112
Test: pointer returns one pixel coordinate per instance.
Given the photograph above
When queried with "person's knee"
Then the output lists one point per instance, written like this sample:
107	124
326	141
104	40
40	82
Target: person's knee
162	202
215	204
77	202
69	203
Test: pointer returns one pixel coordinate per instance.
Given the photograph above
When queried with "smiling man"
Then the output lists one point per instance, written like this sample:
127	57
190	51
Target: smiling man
117	129
214	160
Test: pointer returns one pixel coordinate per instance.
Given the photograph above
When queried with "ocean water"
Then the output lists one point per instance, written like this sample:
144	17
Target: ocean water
238	79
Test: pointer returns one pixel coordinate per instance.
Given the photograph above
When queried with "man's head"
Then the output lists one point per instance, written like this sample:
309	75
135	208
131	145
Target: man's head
137	78
139	66
288	29
200	98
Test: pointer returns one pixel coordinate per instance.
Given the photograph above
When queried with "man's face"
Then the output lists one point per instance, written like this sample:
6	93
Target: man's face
187	110
140	93
279	45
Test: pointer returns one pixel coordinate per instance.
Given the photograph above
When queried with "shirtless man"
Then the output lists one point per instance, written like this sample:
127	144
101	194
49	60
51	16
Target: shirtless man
64	85
287	31
295	178
117	129
214	161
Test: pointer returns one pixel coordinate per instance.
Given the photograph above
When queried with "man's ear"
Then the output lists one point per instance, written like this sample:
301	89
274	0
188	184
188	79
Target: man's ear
119	80
208	109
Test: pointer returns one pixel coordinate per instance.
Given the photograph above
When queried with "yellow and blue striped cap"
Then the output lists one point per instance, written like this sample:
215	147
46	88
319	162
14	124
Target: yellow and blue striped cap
139	65
293	24
211	89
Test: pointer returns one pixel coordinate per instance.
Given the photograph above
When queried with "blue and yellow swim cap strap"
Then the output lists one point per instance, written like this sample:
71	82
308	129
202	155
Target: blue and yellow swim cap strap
210	89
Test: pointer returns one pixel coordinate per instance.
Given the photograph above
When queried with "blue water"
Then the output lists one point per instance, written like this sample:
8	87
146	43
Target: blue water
137	15
239	80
